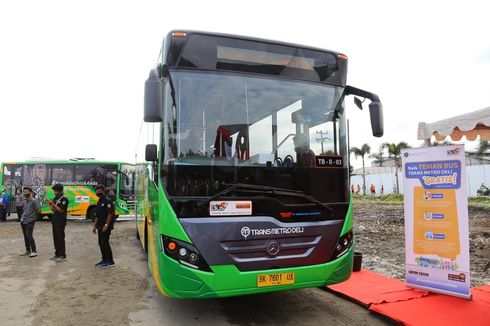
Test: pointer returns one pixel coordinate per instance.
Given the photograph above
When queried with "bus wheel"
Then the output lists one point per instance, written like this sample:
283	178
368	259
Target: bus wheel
91	213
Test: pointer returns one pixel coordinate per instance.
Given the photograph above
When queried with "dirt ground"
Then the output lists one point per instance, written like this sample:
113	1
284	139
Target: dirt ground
36	291
380	236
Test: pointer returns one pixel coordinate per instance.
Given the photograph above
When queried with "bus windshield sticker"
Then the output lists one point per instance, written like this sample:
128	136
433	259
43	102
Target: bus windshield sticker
329	162
230	208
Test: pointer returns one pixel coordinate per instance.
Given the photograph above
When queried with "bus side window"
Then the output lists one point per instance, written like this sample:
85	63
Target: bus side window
110	179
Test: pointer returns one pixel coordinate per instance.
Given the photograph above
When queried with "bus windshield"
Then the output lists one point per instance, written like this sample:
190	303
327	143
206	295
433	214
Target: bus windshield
126	182
250	120
228	128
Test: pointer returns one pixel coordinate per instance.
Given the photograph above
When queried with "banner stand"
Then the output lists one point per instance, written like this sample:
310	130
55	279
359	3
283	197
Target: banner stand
436	220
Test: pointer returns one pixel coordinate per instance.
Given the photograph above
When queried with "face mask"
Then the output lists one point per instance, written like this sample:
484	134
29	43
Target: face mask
99	194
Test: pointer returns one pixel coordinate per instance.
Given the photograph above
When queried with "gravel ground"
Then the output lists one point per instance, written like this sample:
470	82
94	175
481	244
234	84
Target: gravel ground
37	291
380	236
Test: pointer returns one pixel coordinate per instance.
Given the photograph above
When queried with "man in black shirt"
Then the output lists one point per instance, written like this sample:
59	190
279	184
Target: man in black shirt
59	206
103	226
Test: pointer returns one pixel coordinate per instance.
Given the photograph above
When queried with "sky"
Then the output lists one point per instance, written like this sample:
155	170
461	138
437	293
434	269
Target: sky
72	73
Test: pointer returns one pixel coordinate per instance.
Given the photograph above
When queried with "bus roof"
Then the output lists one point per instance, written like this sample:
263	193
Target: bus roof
249	38
214	51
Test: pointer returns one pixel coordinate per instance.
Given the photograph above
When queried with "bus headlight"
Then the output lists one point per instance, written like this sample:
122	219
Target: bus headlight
185	253
182	252
343	245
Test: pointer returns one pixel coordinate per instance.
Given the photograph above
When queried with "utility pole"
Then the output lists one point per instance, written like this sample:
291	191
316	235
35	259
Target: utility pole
322	138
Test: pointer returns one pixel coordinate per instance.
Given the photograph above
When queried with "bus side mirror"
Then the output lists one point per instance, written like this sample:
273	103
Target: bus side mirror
151	153
376	113
154	96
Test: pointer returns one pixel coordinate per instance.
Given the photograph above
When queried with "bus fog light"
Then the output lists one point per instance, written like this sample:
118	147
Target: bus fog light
182	252
193	257
339	247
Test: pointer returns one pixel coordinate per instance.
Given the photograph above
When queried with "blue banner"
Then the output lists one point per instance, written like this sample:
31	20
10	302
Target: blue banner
435	174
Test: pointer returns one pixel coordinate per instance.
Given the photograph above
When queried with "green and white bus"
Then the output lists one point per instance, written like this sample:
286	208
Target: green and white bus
242	173
79	178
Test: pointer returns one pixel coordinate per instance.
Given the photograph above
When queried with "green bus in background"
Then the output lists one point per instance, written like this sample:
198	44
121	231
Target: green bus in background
79	178
242	173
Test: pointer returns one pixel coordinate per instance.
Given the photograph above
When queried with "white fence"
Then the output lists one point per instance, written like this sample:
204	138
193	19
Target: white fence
476	175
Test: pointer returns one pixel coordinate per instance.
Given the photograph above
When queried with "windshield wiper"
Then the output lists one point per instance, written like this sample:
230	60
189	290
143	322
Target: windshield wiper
269	189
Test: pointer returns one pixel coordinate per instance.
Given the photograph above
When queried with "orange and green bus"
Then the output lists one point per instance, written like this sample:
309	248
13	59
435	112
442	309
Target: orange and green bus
242	173
79	178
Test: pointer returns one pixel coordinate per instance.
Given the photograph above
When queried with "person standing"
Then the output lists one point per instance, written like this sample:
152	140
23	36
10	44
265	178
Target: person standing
103	226
27	221
59	206
19	203
4	205
111	195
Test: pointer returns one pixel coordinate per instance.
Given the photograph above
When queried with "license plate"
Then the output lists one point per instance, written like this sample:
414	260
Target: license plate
275	279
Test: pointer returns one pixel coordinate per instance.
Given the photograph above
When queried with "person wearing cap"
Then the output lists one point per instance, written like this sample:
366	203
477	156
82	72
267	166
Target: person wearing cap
59	206
103	226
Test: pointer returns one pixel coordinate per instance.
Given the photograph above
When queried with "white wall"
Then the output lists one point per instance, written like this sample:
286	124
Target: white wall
476	174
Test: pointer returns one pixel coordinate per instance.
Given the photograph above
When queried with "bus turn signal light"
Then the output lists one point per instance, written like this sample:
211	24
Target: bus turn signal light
171	246
342	56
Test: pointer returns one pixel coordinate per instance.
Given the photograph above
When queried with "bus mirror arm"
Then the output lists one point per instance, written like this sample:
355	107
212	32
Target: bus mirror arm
375	108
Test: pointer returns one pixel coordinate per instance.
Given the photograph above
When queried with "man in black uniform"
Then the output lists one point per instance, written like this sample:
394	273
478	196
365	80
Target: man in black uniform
59	206
103	226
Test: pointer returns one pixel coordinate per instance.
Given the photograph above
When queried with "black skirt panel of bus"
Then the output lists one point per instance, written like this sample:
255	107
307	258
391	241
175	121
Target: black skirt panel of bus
262	242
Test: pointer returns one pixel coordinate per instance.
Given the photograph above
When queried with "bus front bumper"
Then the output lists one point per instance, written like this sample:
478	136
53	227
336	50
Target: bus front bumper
180	281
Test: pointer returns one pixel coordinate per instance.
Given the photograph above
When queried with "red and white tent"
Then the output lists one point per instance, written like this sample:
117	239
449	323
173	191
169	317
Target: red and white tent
471	125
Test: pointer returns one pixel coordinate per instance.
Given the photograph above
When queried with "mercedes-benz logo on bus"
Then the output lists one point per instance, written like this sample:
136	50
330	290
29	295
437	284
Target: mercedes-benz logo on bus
273	248
245	232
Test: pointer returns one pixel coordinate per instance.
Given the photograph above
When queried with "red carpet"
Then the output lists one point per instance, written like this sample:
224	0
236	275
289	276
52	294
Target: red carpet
369	288
438	309
408	306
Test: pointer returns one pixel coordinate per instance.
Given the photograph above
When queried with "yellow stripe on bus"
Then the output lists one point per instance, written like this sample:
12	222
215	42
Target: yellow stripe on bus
154	260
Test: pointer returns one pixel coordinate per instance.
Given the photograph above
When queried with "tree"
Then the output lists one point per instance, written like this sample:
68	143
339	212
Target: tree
394	151
482	147
442	143
379	156
365	149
